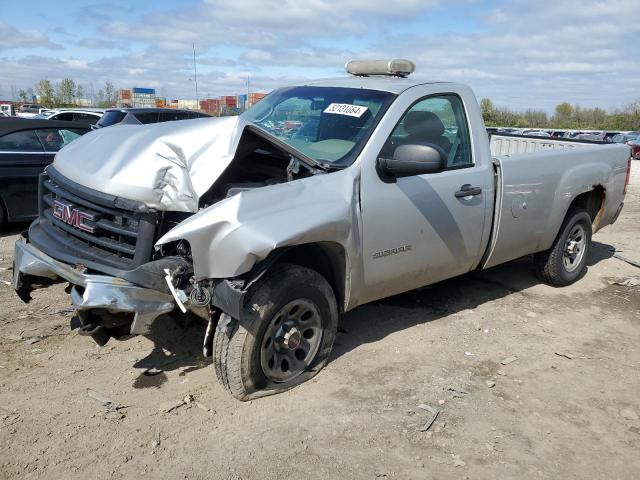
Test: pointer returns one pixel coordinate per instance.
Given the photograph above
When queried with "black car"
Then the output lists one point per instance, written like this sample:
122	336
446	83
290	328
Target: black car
139	116
26	147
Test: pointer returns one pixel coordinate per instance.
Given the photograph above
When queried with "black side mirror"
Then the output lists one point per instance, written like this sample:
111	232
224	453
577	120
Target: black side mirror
412	159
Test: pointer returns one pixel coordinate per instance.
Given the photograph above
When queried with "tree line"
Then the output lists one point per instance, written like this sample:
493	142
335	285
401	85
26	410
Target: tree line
66	92
565	116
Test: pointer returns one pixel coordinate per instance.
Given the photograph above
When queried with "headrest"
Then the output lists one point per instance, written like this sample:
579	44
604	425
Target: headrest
417	122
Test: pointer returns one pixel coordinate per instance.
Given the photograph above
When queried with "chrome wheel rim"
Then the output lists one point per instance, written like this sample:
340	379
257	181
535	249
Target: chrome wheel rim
574	248
291	341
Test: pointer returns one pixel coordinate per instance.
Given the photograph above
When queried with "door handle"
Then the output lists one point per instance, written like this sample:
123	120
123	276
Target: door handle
467	190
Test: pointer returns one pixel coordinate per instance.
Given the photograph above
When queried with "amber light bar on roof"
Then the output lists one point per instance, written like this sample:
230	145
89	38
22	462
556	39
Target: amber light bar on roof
396	67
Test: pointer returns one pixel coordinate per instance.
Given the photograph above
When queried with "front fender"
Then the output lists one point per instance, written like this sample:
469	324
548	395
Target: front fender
230	237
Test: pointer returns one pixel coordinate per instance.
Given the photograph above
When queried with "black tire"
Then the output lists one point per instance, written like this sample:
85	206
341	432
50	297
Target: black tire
239	344
551	265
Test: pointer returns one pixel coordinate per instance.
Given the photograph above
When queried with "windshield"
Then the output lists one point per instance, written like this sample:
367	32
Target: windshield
110	118
327	124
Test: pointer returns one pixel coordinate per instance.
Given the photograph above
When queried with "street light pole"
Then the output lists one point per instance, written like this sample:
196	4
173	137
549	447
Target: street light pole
195	76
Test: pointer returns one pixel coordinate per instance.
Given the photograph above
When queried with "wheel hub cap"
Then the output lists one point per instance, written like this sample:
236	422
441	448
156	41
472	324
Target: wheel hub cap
292	338
291	341
574	248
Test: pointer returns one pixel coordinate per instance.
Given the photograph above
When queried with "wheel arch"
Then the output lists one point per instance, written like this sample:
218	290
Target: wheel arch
593	202
329	259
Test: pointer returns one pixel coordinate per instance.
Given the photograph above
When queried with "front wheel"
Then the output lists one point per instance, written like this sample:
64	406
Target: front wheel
283	337
566	260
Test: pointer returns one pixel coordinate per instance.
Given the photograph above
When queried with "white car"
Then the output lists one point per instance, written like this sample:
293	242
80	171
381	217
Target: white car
84	115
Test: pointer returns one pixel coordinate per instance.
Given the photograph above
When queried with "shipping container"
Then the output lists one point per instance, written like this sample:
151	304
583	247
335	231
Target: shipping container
146	91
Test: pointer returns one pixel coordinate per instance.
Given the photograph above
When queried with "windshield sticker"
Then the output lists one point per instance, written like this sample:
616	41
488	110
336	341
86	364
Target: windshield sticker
346	109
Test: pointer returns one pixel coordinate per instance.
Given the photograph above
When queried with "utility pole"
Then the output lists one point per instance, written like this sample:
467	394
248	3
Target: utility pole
195	76
248	89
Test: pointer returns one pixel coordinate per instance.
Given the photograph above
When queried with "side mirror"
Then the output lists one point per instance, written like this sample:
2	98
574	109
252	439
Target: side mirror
412	159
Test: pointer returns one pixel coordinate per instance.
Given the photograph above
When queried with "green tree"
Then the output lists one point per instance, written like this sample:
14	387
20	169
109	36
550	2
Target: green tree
79	91
488	110
110	93
46	92
563	115
66	91
22	94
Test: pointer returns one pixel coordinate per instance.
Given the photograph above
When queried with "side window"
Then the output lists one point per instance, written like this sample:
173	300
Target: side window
85	118
169	116
25	141
150	117
66	116
54	139
439	121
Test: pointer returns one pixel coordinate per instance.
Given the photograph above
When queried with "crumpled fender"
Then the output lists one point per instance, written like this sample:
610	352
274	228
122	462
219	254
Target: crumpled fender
228	238
167	166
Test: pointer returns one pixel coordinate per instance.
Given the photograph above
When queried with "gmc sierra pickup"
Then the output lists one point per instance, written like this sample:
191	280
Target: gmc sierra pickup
321	197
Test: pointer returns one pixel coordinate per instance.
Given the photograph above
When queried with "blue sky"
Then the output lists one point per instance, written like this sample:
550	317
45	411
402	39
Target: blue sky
520	53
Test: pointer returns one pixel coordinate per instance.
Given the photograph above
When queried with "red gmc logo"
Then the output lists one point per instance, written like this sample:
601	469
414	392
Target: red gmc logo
65	212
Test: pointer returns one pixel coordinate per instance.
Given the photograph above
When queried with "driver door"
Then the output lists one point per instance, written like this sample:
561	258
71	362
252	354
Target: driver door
420	229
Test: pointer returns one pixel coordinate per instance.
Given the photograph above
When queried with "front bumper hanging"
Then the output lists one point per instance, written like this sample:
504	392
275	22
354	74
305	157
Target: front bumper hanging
89	292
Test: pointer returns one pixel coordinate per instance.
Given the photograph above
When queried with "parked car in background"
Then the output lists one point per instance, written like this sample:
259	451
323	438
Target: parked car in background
26	148
29	110
84	115
608	136
537	133
635	147
624	138
138	116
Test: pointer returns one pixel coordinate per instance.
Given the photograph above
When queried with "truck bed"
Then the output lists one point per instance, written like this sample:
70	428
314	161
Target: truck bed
537	179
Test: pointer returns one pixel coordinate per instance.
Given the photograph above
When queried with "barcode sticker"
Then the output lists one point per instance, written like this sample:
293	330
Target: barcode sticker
346	109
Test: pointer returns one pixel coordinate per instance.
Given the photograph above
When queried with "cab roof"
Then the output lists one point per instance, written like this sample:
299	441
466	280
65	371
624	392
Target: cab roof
375	82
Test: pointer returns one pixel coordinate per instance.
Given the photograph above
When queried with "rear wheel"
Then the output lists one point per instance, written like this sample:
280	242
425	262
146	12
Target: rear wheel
283	338
566	260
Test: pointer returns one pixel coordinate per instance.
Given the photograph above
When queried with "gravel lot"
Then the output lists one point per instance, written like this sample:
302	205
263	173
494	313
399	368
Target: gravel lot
566	407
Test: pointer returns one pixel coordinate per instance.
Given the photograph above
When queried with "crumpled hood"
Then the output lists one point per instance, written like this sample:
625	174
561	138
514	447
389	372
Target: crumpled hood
167	166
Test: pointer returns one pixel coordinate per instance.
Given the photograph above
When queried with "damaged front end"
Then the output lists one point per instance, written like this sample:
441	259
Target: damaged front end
181	216
106	306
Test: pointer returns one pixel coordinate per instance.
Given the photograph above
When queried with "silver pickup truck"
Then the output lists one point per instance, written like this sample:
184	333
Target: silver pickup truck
322	197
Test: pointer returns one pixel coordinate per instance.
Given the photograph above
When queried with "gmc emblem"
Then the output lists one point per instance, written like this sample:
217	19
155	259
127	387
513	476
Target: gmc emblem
65	212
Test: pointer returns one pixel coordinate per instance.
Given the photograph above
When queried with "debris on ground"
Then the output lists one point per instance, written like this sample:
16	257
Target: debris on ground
434	414
628	282
508	360
170	406
490	383
32	340
457	392
628	260
111	405
565	355
457	462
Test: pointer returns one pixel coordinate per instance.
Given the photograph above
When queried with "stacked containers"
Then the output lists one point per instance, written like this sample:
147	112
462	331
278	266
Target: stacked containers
144	97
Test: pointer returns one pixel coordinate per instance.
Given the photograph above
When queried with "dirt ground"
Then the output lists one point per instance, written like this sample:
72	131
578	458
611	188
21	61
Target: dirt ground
566	406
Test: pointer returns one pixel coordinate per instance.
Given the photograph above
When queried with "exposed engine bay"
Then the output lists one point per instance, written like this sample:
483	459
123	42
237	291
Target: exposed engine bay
258	162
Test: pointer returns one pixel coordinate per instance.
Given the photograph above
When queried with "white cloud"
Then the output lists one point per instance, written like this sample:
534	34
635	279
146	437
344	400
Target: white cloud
12	37
521	54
